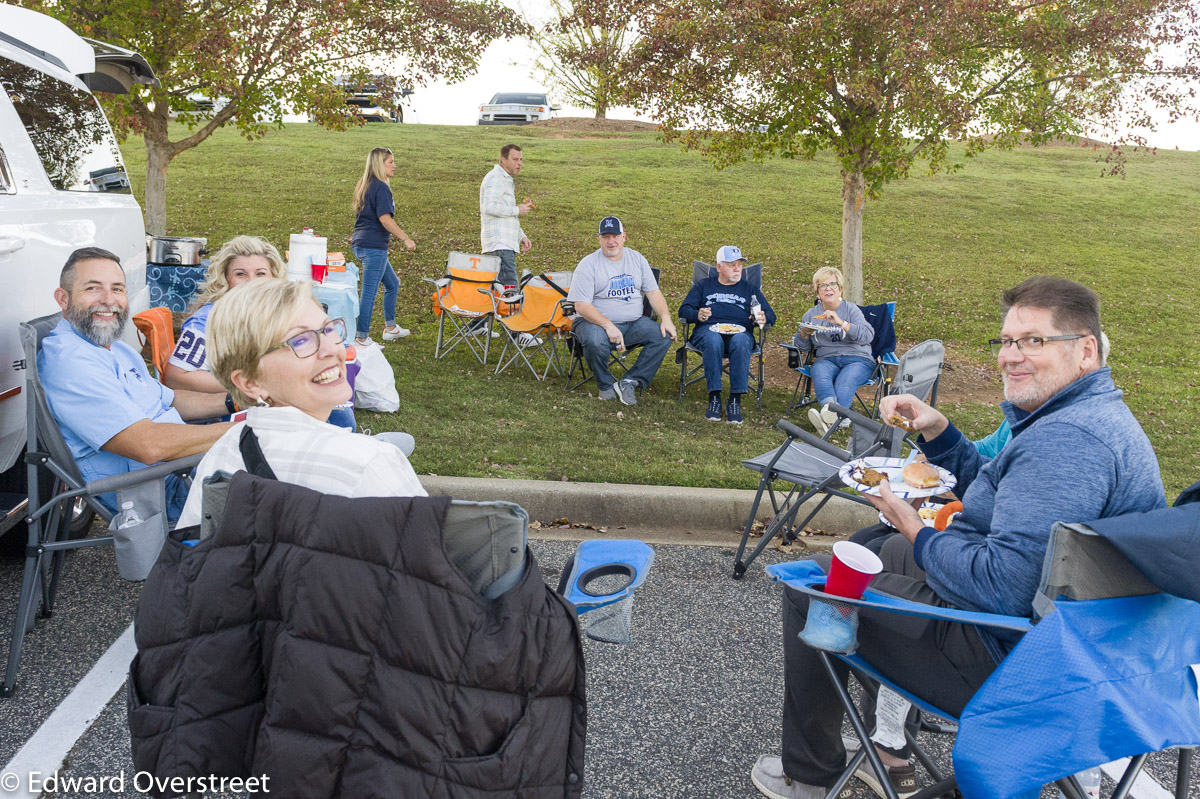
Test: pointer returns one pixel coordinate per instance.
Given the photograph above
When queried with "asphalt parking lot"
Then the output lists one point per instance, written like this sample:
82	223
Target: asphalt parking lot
682	711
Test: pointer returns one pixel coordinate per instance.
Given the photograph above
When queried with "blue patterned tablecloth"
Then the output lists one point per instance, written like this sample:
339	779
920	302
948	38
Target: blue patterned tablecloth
174	286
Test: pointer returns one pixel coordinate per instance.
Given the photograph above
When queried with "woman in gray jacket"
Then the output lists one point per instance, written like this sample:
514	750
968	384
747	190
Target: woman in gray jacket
841	336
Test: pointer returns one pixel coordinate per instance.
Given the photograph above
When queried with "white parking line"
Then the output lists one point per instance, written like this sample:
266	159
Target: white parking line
48	746
1144	786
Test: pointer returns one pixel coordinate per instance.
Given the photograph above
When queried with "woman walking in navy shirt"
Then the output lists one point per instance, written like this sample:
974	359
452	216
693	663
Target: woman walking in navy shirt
373	229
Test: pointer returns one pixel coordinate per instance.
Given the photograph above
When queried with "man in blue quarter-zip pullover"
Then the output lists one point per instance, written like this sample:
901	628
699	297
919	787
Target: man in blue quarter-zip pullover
1076	454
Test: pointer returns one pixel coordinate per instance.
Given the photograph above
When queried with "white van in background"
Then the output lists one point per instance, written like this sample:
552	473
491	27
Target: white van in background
62	186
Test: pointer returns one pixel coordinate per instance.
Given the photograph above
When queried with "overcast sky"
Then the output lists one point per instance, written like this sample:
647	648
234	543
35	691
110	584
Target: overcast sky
506	67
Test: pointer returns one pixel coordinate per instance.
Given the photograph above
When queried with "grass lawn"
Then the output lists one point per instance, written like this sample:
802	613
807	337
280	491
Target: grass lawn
944	247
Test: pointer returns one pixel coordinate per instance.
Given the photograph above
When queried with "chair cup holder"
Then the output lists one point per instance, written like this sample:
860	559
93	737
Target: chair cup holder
831	626
793	359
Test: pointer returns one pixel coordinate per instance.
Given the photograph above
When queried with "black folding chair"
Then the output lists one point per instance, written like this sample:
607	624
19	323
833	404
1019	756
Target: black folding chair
49	518
701	271
810	465
616	360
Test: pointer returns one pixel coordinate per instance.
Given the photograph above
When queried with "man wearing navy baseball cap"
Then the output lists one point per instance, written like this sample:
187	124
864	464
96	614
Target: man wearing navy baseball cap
607	289
724	309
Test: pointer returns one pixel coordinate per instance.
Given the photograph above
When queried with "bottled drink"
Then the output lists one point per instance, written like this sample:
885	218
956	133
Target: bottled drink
755	310
128	517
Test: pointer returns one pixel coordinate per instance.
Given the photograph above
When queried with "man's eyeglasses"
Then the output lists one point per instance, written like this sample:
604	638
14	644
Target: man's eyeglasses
306	343
833	285
1030	345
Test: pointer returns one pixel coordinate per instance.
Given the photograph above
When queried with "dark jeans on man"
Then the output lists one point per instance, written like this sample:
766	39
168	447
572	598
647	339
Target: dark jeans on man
508	266
597	349
715	348
944	663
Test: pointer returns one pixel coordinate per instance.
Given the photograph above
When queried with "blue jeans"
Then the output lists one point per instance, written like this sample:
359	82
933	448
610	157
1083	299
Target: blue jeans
508	266
715	349
376	269
837	377
597	348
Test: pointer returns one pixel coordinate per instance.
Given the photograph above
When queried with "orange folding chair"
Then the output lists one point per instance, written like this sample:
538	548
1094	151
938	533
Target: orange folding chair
535	326
465	298
156	329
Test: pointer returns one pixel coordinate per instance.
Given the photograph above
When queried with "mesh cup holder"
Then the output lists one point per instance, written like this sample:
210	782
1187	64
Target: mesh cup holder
831	625
613	623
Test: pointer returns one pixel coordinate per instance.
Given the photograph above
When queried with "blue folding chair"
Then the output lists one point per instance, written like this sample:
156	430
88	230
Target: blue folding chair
1104	671
600	579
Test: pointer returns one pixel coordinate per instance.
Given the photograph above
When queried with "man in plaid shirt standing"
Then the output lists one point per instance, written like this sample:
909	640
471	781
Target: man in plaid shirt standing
499	214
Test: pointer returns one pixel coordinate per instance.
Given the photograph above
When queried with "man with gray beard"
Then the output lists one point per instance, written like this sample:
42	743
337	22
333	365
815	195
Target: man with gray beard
113	415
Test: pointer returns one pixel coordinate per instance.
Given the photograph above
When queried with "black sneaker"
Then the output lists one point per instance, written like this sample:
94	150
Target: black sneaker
713	414
733	409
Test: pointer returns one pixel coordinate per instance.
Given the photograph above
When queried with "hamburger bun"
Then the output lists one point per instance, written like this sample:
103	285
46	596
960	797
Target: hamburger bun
921	475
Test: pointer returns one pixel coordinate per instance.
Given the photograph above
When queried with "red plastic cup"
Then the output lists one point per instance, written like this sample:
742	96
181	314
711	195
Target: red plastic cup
852	569
319	271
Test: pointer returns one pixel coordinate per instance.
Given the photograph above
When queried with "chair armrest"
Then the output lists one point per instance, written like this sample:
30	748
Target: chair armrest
808	438
807	577
440	282
789	346
156	472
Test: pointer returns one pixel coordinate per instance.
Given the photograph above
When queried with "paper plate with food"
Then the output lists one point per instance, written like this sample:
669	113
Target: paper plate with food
819	327
934	514
907	481
728	329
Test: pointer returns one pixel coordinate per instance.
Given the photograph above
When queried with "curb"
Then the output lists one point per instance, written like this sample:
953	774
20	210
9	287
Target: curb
656	514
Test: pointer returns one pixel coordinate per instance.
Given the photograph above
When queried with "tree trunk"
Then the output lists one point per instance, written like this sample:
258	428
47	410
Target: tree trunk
853	195
159	153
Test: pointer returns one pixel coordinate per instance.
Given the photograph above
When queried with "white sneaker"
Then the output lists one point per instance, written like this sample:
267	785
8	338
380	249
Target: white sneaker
528	340
366	341
822	419
393	333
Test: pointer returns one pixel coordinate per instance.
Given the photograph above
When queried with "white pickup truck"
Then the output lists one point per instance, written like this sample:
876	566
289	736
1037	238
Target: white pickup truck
62	186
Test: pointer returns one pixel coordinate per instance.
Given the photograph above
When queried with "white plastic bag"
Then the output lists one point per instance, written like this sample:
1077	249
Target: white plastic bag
375	386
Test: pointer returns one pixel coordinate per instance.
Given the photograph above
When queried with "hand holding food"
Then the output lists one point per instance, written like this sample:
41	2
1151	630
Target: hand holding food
903	422
921	417
529	202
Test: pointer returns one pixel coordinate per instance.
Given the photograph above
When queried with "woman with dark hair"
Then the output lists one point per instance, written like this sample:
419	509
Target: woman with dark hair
374	226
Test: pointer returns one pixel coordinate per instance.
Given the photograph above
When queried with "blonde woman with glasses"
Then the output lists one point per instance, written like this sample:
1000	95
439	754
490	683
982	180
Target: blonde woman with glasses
841	336
374	225
279	354
240	260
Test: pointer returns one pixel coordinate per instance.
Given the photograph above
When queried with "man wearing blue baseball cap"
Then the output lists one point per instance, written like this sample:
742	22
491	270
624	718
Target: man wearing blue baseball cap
718	305
607	289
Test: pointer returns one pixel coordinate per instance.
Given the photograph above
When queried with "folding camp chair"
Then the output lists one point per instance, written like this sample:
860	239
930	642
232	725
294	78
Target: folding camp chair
810	465
882	319
50	517
483	584
616	360
701	271
535	327
464	297
1105	673
156	330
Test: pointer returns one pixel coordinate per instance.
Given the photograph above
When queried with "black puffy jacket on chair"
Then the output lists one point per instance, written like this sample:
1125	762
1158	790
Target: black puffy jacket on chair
330	644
